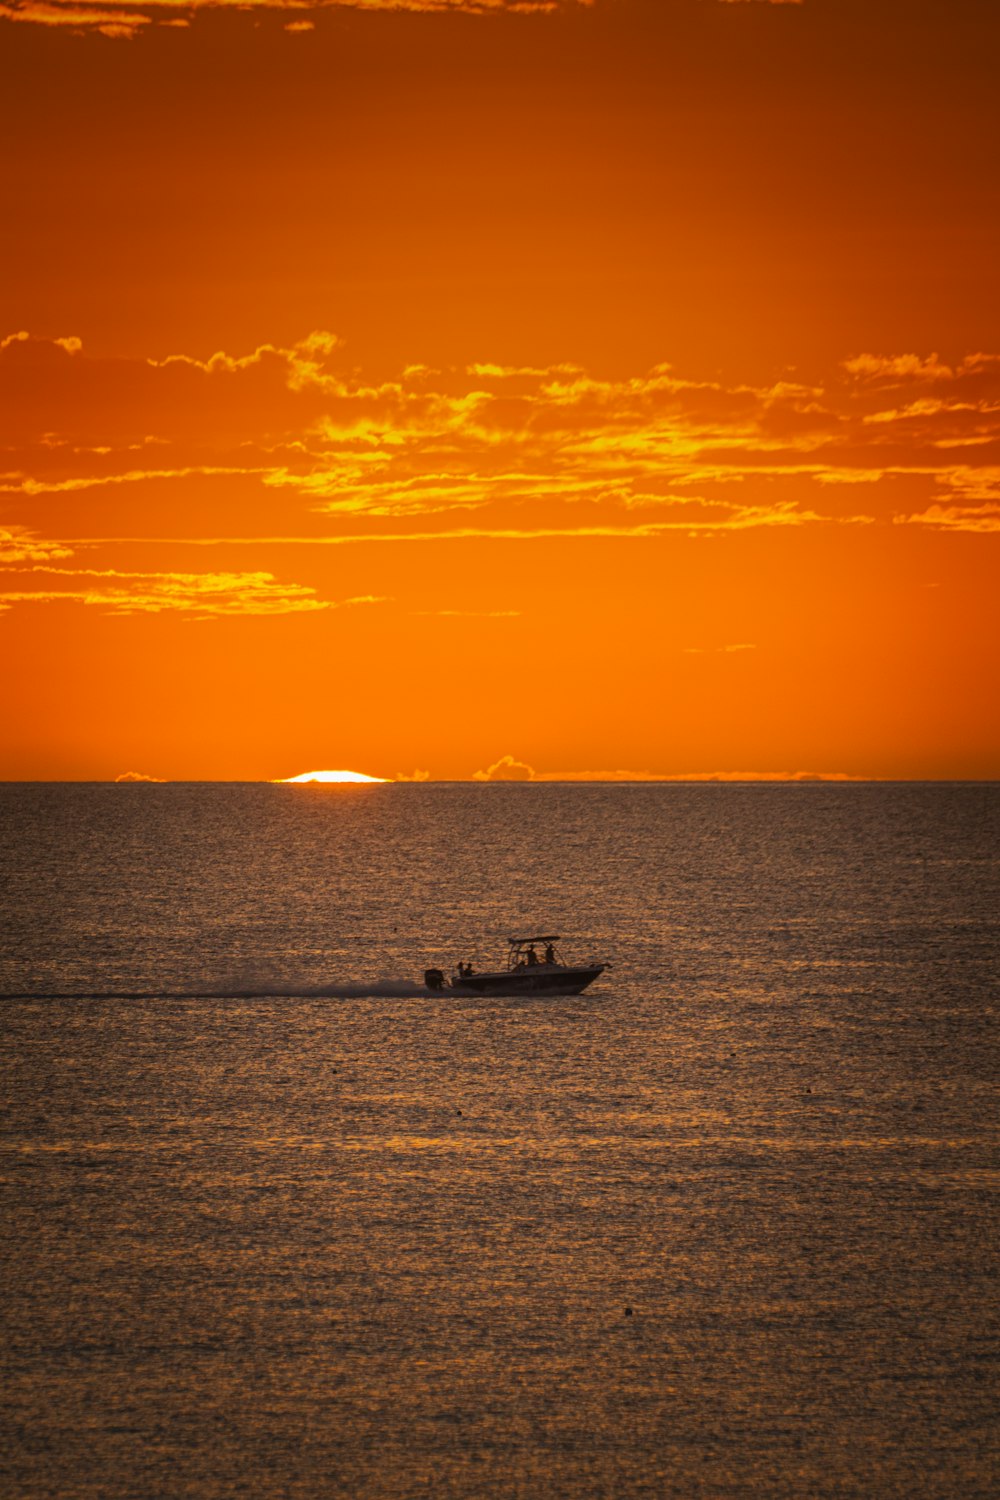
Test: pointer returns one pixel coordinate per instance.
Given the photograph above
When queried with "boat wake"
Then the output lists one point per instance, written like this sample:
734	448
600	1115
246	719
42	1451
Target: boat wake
378	989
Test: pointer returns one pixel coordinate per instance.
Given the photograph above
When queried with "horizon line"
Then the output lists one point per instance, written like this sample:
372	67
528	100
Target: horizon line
706	779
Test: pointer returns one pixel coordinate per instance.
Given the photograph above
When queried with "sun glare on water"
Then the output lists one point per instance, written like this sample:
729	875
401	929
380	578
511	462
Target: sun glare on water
328	776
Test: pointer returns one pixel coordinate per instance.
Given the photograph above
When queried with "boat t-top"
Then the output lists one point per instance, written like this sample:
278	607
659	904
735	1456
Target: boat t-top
533	968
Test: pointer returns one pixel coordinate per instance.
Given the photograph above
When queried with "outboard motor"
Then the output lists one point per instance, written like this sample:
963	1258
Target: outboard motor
434	979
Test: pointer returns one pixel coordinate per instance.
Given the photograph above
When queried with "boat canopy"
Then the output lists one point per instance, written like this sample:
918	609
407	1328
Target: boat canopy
517	957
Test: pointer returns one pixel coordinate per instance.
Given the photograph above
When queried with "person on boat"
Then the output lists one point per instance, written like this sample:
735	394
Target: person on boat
532	955
550	954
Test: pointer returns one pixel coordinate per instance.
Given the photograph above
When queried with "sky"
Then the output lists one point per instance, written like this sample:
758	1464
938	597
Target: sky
441	389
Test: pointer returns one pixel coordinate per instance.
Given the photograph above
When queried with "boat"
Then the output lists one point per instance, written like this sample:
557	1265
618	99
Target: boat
533	967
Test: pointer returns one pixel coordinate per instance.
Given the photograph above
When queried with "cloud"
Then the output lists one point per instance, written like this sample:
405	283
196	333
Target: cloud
505	769
205	595
137	776
517	451
19	545
643	531
126	18
72	345
509	769
699	776
24	485
901	369
717	650
981	518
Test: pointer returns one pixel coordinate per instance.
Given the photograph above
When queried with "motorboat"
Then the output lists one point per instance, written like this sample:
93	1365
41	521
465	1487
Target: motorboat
533	967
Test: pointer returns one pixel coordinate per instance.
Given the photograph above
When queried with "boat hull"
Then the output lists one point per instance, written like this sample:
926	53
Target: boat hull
540	979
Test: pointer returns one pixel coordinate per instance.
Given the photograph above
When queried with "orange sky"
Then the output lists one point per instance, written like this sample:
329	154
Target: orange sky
611	387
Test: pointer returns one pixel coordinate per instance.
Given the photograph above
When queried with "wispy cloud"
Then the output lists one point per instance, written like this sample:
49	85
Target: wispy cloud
982	518
205	595
624	532
717	650
507	768
26	485
698	776
518	450
19	545
126	18
909	369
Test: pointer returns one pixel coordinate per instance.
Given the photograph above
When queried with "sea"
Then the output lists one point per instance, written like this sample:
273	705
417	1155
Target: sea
279	1222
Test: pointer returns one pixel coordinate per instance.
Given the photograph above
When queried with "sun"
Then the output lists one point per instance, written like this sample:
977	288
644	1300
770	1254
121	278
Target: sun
328	776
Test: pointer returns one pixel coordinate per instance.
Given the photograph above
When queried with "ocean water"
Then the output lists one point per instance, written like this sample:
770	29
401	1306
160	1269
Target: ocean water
283	1224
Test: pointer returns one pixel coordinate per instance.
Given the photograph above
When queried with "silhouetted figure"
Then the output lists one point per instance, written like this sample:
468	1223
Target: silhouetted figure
550	954
532	955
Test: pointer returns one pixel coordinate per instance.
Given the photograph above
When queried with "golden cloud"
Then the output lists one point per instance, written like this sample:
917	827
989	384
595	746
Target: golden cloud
19	545
25	485
506	769
717	650
126	18
909	369
698	776
525	448
204	595
981	518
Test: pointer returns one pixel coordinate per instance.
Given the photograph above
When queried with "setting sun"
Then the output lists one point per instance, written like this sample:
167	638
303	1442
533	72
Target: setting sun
329	776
